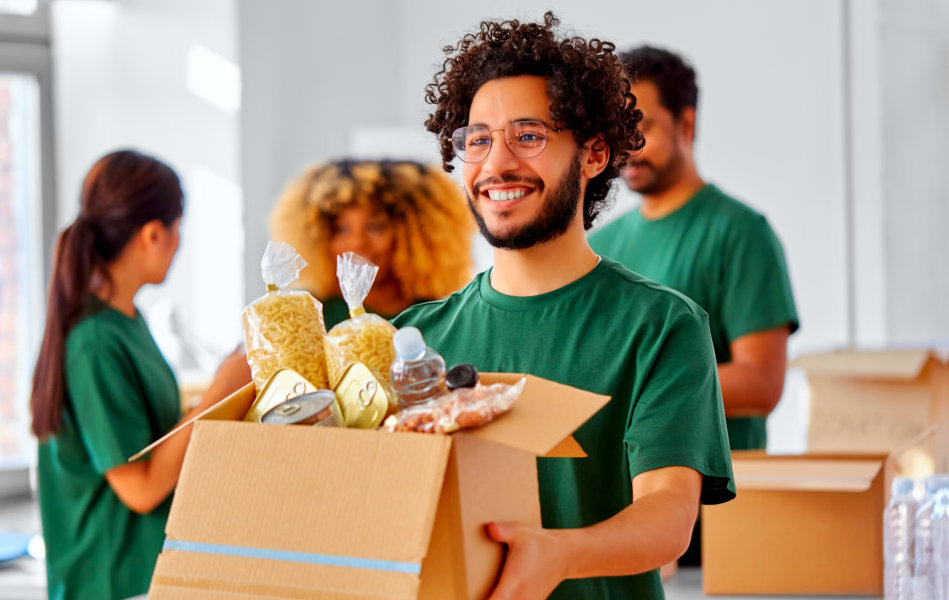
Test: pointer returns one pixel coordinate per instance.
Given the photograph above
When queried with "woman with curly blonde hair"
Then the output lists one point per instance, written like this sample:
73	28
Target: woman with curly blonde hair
408	218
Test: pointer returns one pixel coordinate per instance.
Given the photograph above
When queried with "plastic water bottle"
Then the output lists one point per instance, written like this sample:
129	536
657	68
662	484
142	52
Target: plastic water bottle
418	372
931	573
898	540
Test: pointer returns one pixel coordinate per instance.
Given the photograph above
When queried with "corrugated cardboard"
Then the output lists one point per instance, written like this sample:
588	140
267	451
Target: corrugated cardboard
268	511
880	401
807	524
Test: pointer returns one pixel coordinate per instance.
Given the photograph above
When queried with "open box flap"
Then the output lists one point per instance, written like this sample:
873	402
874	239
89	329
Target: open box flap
359	498
231	408
543	416
904	364
816	472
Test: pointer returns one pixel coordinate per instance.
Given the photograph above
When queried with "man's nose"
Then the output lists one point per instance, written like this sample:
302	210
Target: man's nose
500	158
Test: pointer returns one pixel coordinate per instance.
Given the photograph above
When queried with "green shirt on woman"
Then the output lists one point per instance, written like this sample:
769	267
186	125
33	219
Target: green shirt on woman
120	396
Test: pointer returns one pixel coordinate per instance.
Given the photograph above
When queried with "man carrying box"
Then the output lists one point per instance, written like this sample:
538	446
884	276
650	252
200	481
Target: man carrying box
542	125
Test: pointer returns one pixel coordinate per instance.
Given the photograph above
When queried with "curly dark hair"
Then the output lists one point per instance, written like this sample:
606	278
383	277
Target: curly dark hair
586	83
672	75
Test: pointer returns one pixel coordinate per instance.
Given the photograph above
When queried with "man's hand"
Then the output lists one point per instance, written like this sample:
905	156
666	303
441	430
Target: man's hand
535	564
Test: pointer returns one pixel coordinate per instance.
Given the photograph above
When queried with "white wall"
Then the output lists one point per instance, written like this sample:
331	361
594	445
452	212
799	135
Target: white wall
915	67
121	80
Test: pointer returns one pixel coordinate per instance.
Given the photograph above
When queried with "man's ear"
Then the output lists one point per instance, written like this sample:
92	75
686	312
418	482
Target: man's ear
686	125
596	158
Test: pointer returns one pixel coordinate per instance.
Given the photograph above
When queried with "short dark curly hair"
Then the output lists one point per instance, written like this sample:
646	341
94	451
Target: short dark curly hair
672	75
586	83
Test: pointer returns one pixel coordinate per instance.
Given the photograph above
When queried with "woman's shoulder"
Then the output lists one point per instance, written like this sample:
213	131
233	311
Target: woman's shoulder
99	330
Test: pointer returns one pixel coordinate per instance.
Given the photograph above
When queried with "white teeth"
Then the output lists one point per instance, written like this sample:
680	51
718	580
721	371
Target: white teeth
499	195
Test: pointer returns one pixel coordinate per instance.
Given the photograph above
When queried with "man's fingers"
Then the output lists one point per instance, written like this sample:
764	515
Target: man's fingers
500	532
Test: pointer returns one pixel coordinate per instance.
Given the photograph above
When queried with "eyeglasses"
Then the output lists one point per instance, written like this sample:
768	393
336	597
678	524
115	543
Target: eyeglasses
526	139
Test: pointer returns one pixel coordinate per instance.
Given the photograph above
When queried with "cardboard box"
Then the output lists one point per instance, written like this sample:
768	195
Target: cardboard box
269	511
881	401
806	524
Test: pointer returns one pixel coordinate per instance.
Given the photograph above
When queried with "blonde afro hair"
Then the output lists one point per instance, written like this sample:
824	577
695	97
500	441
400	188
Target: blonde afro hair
432	225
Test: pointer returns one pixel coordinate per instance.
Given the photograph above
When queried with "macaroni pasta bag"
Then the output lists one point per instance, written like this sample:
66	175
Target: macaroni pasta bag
284	328
364	337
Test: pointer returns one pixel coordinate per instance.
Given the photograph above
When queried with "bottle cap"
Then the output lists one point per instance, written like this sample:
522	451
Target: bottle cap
463	375
935	482
901	486
409	344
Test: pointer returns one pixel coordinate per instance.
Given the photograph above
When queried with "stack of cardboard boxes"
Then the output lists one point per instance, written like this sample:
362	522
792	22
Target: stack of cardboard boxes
812	524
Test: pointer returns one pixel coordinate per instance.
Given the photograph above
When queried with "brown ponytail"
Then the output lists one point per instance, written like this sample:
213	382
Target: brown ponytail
122	192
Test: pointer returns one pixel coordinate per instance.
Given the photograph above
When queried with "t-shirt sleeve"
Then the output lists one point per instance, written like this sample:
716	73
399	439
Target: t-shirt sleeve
107	399
756	291
677	417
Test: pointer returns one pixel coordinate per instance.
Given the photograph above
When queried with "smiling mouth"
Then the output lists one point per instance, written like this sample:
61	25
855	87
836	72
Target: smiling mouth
502	195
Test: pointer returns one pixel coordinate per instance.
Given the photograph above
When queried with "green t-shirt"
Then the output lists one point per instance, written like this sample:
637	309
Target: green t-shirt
610	332
725	257
121	395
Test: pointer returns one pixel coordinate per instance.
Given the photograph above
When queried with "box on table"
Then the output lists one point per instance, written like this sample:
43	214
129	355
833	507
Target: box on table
800	524
311	512
881	401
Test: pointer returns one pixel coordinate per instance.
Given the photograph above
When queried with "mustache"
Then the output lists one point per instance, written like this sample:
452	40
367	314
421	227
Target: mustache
506	178
636	162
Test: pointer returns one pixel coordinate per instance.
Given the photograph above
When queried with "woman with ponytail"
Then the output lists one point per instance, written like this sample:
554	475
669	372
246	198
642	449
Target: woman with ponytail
102	389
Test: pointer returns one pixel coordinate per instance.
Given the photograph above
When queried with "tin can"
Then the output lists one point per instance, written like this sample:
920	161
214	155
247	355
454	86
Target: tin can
364	398
282	385
317	408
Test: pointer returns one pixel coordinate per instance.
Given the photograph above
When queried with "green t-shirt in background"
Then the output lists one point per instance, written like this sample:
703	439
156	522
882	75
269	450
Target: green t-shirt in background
121	395
610	332
725	257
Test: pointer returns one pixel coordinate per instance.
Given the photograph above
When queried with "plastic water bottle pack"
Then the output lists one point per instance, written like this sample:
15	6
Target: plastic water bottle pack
931	569
916	539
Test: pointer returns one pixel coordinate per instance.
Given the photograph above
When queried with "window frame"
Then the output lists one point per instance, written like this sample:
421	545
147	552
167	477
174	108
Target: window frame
25	49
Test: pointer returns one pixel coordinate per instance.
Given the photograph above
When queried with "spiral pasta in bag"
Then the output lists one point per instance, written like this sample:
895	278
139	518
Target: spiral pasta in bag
364	337
284	328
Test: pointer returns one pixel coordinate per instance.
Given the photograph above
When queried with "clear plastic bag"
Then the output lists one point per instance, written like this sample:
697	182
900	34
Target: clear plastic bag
284	328
462	408
364	337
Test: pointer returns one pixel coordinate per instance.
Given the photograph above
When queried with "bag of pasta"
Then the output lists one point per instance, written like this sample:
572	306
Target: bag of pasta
364	337
283	329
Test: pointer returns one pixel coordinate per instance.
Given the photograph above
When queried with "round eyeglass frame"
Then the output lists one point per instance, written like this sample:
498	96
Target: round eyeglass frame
459	135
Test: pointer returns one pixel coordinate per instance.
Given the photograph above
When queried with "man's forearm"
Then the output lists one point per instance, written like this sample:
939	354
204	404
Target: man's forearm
748	391
645	535
753	380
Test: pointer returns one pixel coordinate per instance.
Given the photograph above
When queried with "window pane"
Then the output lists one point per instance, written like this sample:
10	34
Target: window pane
21	302
18	7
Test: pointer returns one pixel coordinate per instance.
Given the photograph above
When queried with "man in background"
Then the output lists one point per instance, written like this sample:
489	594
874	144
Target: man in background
689	235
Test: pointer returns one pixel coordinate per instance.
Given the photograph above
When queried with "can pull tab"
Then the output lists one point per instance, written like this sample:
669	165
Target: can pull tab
366	392
286	410
299	388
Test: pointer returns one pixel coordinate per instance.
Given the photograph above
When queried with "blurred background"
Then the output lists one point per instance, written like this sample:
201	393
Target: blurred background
830	117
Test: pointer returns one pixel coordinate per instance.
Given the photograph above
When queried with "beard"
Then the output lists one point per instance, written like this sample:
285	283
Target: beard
554	220
658	179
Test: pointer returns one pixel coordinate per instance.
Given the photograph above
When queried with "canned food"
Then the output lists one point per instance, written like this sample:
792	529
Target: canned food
364	398
317	408
282	385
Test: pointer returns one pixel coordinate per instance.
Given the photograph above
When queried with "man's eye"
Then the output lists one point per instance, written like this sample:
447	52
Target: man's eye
529	137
